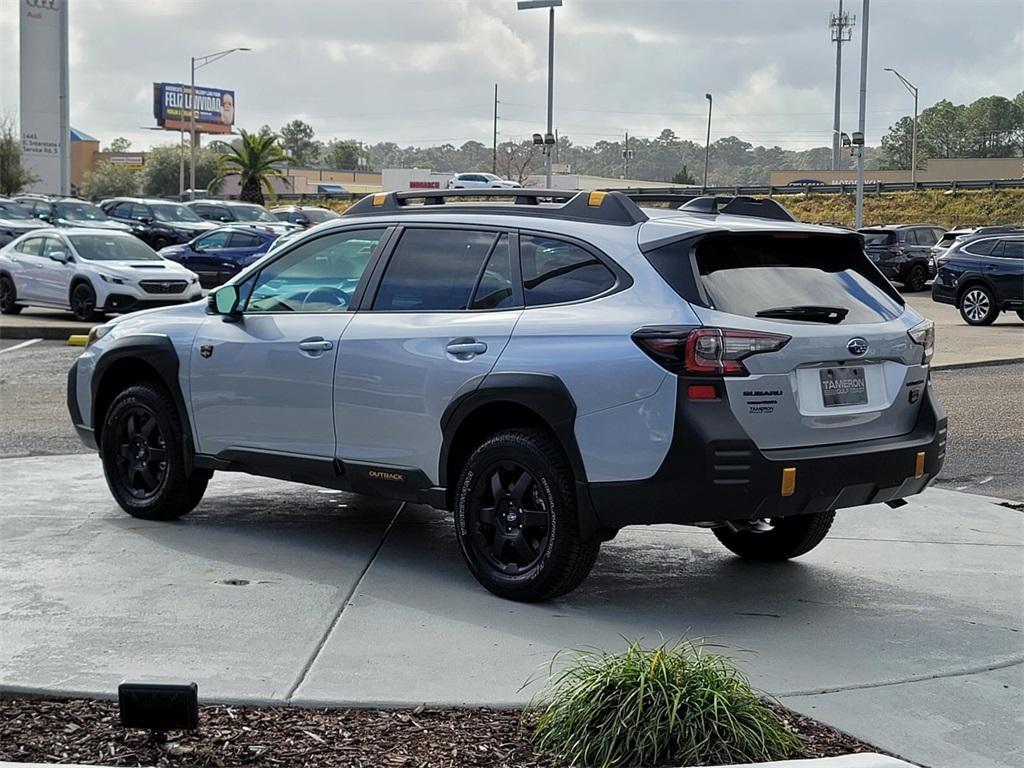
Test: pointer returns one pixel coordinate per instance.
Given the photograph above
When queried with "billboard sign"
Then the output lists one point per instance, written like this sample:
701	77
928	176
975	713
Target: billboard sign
214	108
45	128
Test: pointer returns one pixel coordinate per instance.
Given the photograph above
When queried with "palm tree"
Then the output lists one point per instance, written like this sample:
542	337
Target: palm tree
256	158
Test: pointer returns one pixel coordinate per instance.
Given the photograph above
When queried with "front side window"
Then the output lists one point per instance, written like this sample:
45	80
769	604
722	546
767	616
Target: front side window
113	247
1013	249
218	239
434	270
494	289
171	212
79	212
556	272
318	276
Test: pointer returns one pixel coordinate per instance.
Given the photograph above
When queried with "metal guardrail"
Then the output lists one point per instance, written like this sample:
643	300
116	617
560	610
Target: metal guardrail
831	189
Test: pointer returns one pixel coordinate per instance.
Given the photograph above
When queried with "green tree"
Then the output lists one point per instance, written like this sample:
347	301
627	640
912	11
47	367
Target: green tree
110	180
297	140
992	125
120	144
897	145
160	172
342	154
14	176
683	176
256	161
941	129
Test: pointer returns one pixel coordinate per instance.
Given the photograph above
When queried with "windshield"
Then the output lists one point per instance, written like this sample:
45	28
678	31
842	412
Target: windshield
251	213
13	211
884	237
318	214
80	212
171	212
112	248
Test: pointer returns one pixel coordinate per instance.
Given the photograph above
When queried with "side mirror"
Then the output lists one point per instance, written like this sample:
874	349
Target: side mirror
43	216
60	256
225	301
223	218
145	219
303	222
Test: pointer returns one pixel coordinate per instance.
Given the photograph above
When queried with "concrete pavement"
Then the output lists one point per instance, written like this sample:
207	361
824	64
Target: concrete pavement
903	628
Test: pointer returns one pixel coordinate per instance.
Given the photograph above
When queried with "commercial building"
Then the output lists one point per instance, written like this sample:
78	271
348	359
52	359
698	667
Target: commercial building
935	169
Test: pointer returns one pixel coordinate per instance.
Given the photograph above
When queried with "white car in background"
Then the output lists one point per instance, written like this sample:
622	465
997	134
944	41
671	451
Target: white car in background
90	272
481	181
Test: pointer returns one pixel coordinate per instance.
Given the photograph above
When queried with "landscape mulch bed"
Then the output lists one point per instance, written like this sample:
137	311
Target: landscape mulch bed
89	732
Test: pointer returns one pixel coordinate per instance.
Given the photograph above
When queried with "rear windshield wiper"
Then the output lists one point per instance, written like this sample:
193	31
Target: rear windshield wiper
810	313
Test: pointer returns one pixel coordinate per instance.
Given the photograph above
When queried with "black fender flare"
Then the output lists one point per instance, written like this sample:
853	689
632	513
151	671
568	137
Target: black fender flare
544	394
157	351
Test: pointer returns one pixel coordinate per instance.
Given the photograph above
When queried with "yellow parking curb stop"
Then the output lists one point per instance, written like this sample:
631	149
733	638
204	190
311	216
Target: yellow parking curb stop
77	340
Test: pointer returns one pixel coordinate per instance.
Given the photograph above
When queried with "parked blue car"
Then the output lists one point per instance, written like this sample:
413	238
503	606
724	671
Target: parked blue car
219	255
983	276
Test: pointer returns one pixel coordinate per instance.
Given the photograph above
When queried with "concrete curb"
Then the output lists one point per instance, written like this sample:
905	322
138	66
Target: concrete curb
979	364
45	332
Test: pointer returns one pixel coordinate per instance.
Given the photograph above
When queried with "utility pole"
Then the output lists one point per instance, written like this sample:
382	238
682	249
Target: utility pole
863	106
494	145
625	157
842	30
707	145
551	84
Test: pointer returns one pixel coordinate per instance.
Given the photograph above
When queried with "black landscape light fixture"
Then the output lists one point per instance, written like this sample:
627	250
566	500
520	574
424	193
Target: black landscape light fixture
538	138
159	707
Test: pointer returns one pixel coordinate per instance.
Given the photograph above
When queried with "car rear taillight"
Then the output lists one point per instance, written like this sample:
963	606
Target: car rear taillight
709	351
923	334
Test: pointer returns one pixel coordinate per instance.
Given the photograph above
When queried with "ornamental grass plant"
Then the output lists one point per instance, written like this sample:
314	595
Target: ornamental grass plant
669	705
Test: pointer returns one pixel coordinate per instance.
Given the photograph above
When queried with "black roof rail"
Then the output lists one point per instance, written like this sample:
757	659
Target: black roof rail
642	196
738	206
597	206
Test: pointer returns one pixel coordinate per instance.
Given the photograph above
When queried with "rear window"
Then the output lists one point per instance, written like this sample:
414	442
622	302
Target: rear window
747	274
883	237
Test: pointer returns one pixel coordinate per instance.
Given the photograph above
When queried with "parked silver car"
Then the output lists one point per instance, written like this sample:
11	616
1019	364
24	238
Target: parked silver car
480	181
550	370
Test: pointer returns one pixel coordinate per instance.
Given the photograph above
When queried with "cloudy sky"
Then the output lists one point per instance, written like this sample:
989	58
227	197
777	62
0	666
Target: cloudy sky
423	72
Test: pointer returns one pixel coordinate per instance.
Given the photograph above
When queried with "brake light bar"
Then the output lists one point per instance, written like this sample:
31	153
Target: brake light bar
706	351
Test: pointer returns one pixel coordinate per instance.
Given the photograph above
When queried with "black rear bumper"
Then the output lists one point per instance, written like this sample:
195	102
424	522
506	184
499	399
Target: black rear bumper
713	472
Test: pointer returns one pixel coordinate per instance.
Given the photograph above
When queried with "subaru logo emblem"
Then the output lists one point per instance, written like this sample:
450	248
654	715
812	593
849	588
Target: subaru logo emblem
857	346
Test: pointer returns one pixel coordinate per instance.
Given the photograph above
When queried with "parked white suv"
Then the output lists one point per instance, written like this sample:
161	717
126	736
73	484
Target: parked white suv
90	272
480	181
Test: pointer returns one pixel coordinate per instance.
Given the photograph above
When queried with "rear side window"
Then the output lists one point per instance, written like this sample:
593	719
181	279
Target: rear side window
244	240
555	271
982	247
750	274
33	246
434	270
1013	249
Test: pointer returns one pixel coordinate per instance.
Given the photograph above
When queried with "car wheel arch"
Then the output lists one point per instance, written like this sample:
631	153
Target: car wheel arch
131	360
966	283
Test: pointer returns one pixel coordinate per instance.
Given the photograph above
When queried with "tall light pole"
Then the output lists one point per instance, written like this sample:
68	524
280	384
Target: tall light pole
198	62
842	30
707	144
525	5
913	142
860	117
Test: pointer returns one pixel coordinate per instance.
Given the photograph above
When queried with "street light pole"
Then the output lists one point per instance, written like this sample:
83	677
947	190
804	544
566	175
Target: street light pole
913	142
524	5
707	144
203	61
859	217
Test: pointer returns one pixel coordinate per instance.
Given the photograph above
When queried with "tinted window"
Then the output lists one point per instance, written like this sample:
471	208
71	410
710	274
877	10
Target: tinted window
982	247
878	237
120	210
925	237
317	215
1013	249
140	212
173	212
32	246
555	271
747	274
251	213
908	237
495	288
218	239
433	269
13	211
318	276
79	212
245	240
112	248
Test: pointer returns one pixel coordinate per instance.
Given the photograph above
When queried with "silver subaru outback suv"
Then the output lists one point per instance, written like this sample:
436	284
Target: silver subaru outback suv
551	369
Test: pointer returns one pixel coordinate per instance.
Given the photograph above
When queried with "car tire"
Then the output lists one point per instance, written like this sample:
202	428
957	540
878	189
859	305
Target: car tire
8	297
789	537
83	303
977	305
516	518
160	242
916	278
142	448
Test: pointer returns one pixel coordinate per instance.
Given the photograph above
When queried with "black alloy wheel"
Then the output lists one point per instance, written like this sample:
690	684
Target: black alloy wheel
917	278
8	296
508	519
83	302
141	459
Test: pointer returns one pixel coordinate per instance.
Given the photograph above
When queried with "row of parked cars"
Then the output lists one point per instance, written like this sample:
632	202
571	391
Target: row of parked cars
980	270
131	253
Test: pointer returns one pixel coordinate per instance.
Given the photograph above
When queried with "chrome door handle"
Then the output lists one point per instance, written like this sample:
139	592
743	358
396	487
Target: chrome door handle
465	348
316	345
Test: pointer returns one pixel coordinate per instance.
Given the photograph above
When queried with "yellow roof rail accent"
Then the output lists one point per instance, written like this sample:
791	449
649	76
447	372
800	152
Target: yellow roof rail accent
595	199
379	198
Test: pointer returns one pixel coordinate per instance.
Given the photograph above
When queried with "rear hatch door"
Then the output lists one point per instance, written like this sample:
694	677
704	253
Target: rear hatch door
839	379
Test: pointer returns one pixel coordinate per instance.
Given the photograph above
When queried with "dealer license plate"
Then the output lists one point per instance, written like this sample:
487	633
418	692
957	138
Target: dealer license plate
843	386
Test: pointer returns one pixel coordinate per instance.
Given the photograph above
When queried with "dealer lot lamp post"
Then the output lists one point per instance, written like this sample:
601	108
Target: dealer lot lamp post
198	62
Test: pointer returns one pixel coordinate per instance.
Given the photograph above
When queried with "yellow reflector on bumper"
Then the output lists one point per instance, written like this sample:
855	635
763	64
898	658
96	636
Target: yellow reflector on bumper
595	199
789	481
919	466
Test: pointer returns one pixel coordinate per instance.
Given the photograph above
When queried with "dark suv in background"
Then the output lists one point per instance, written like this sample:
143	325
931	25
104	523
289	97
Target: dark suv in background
158	223
69	212
903	252
237	212
982	276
